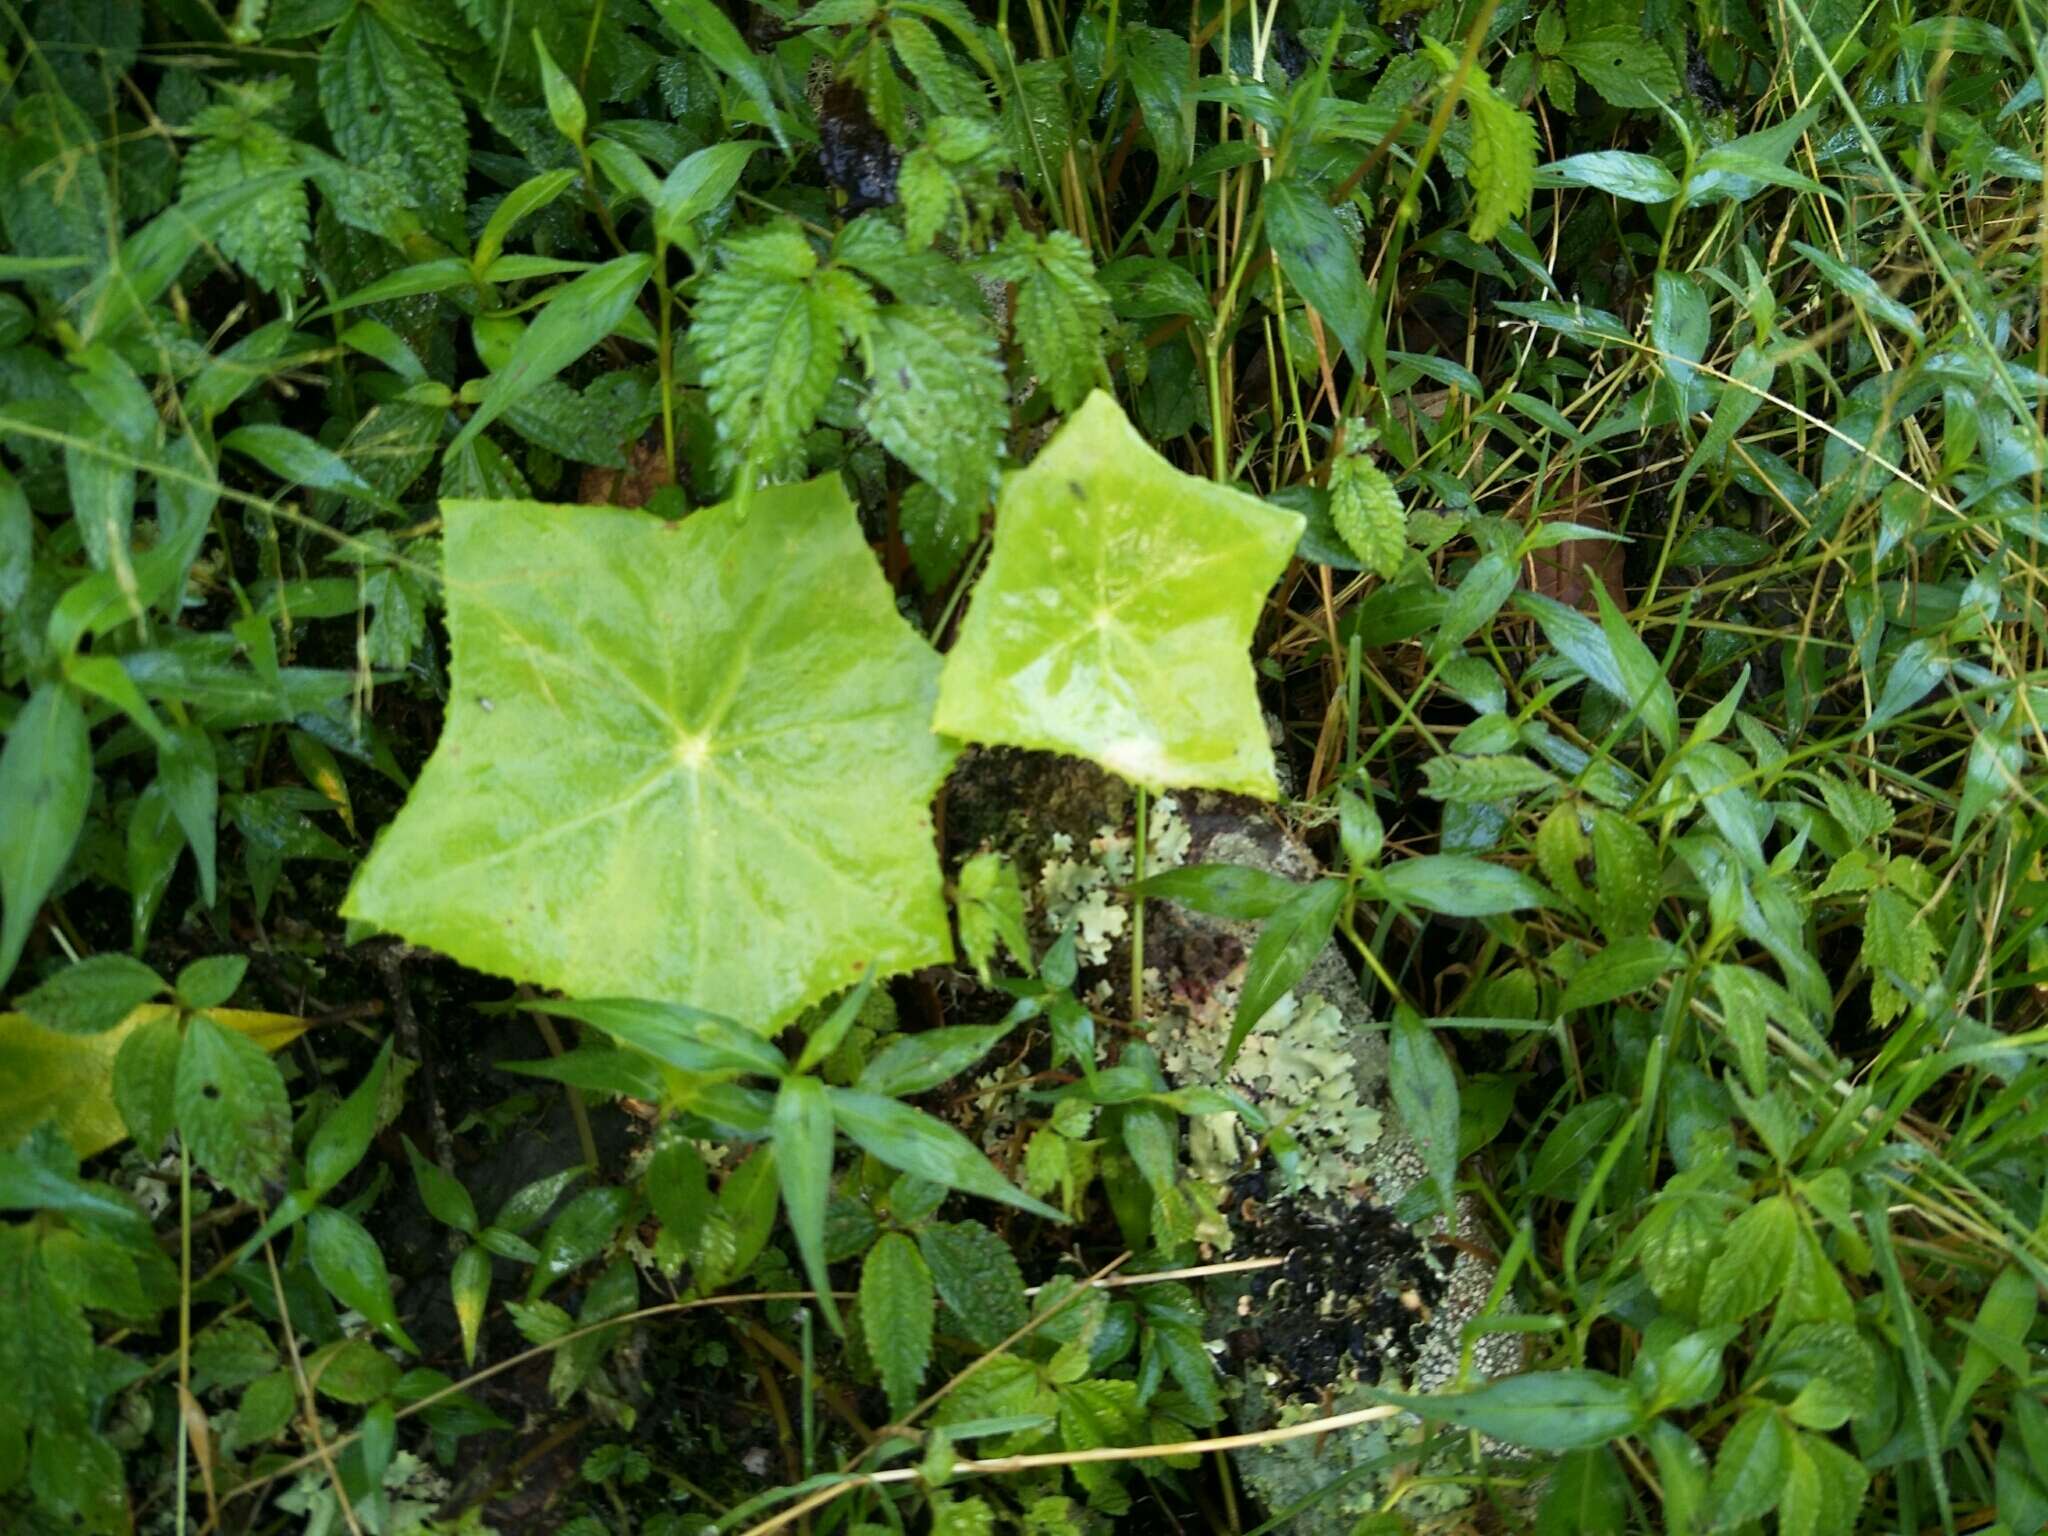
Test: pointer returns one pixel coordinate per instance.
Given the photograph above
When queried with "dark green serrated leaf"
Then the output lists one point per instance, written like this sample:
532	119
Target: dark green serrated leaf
232	1109
897	1311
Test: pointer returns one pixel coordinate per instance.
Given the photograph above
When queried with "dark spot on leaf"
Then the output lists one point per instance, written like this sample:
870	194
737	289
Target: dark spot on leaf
210	1091
1080	491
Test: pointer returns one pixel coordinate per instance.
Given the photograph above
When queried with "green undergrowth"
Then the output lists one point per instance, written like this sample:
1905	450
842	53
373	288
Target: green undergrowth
525	525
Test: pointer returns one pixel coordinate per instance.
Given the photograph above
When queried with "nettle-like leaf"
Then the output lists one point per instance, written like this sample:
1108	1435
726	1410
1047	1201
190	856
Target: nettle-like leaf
1116	614
266	237
642	788
935	398
1502	163
1061	312
773	327
383	94
1366	510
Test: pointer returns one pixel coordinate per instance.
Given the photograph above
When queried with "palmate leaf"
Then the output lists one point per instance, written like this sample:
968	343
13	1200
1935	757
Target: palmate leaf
1115	617
686	761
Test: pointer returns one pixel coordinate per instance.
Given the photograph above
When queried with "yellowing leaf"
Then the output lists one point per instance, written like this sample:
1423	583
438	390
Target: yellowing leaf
69	1078
683	761
1115	617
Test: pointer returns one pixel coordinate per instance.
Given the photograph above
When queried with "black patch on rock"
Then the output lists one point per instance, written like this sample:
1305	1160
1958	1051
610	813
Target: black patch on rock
1352	1298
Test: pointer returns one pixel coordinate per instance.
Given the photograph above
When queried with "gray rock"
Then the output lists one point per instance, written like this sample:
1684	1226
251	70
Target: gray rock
1370	1292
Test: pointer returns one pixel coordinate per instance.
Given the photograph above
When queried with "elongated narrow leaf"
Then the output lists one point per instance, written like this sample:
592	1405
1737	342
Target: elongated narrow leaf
1625	966
579	316
344	1136
530	196
1425	1091
681	1036
350	1265
1617	172
297	460
698	184
707	29
1459	885
918	1063
45	785
1287	946
803	1164
912	1141
1316	257
1223	890
1545	1410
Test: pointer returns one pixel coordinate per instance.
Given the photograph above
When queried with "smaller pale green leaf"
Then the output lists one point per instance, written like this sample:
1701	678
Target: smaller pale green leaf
1367	513
530	196
232	1108
579	315
444	1195
2004	1319
1862	288
92	996
1501	164
698	184
1241	891
1648	689
1755	1258
1475	600
1115	616
897	1310
912	1064
710	31
1484	779
211	981
565	103
145	1078
1752	1466
989	901
803	1162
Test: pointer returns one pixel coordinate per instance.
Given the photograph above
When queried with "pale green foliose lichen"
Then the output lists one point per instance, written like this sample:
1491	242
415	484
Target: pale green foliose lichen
1298	1064
1083	889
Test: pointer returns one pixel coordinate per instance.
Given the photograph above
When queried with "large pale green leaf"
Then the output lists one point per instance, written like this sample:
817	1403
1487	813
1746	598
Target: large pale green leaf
686	761
1115	618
